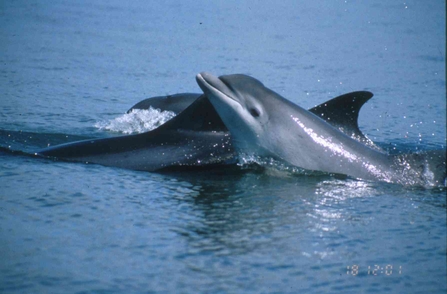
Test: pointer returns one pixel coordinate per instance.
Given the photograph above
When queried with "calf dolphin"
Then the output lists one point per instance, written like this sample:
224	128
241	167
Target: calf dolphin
264	123
196	137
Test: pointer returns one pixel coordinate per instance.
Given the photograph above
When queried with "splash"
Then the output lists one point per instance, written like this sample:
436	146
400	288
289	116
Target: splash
136	121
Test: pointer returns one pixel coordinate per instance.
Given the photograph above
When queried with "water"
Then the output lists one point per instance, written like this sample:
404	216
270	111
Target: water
69	71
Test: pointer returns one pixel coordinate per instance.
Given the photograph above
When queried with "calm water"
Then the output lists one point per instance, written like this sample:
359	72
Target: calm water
68	67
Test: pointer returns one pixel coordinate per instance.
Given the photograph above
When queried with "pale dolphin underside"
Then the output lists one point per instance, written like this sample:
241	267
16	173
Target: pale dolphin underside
196	137
263	123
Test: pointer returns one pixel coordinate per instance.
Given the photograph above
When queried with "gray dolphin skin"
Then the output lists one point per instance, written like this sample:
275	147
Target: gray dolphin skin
193	139
196	137
263	123
175	103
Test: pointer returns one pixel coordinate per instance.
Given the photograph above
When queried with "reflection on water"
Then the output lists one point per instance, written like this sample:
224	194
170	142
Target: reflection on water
237	219
339	190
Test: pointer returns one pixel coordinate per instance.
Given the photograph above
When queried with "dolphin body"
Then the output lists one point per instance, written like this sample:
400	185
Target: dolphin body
263	123
195	138
175	103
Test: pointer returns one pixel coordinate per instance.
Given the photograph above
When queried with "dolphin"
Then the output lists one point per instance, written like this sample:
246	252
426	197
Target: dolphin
195	138
175	103
263	123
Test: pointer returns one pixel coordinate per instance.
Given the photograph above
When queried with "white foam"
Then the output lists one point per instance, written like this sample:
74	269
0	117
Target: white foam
136	121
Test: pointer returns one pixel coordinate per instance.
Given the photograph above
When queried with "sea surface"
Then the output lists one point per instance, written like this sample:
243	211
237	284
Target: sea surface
69	70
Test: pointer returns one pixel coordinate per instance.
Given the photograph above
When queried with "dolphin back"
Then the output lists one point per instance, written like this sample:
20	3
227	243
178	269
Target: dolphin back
194	138
175	103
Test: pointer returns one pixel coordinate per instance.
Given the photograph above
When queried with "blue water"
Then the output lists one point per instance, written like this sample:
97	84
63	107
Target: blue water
68	66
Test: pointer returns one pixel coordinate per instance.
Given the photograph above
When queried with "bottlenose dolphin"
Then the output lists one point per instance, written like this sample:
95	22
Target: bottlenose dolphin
193	139
263	123
196	137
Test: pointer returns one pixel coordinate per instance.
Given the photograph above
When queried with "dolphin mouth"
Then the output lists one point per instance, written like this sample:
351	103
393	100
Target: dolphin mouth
215	86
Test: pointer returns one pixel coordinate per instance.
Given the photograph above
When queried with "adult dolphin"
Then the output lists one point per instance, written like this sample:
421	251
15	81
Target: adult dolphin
264	123
196	137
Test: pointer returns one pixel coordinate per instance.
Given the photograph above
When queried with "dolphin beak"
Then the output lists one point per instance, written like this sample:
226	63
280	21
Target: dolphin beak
213	86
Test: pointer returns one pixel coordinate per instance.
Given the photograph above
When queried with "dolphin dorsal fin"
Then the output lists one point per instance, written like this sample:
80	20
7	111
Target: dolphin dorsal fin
342	112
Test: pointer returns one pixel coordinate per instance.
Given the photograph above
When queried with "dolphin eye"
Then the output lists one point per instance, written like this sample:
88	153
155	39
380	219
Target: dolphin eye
254	112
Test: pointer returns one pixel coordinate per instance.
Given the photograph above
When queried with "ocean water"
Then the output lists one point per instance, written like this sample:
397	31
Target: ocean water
69	70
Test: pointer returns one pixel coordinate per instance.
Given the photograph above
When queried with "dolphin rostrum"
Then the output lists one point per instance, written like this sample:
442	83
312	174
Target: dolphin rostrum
263	123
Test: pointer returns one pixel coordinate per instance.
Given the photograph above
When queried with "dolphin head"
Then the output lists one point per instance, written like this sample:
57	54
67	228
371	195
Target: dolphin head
241	103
